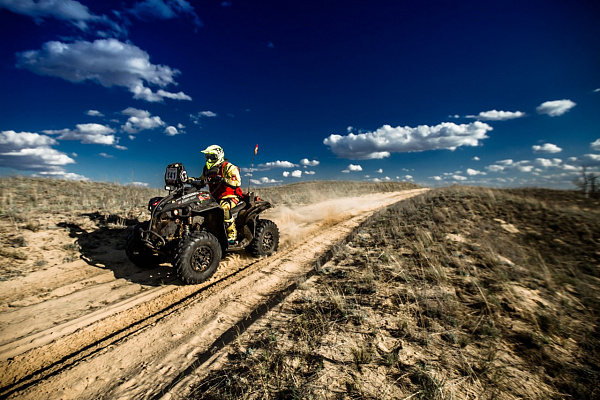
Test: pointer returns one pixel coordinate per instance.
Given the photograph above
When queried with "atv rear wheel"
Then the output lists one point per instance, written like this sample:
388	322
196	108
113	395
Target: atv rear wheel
197	257
137	252
266	240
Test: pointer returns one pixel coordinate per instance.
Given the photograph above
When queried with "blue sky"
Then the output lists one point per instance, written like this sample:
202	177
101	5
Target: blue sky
500	94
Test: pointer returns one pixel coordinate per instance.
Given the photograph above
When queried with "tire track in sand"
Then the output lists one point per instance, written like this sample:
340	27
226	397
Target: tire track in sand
142	359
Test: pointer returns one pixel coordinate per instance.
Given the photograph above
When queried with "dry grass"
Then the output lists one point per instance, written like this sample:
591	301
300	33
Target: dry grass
460	293
42	209
22	195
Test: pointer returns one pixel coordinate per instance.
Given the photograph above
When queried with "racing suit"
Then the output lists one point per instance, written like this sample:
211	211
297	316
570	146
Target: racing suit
224	184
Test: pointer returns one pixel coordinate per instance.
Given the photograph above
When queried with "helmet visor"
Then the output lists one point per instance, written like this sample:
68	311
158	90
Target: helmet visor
211	157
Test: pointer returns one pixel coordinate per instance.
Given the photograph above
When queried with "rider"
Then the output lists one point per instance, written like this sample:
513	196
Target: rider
224	183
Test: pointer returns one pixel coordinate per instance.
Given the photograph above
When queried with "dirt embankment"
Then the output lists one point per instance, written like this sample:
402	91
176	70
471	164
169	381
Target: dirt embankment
99	327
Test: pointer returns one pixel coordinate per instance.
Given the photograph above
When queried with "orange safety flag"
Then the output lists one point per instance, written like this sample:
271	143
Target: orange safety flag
256	150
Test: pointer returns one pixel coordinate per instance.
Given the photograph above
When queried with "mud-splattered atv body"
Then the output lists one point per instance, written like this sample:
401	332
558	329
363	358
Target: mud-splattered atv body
187	229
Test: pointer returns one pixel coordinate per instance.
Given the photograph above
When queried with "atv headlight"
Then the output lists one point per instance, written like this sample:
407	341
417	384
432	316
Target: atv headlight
175	212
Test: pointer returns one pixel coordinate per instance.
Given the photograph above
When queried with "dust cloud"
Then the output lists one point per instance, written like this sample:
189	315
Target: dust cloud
298	223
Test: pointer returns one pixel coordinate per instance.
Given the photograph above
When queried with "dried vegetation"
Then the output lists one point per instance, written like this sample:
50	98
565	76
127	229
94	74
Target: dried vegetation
46	222
461	293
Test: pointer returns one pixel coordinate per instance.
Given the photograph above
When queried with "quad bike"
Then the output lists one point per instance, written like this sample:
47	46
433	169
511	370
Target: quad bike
187	229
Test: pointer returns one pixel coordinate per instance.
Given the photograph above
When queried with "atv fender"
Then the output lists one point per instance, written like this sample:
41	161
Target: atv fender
251	213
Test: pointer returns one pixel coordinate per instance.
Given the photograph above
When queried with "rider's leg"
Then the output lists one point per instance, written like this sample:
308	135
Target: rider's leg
226	205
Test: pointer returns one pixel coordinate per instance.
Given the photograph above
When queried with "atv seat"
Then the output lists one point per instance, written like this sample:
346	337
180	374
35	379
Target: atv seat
239	207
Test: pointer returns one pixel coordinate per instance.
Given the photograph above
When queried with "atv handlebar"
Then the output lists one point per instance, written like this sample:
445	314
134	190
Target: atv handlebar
196	182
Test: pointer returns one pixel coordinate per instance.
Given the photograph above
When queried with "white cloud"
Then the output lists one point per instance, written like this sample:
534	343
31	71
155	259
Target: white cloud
108	62
140	120
308	163
11	140
495	115
547	163
386	179
174	96
387	140
495	168
164	9
63	175
555	108
202	114
353	168
135	112
571	168
459	178
65	10
590	160
264	180
106	155
595	145
476	158
87	134
94	113
276	164
510	165
309	172
171	131
473	172
139	184
379	171
294	174
31	151
546	148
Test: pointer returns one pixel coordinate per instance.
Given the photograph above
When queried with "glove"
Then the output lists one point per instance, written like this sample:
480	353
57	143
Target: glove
195	182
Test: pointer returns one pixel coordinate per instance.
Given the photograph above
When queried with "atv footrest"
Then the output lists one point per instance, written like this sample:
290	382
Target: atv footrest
238	245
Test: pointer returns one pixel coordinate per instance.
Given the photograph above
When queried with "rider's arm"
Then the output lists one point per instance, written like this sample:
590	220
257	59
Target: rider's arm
231	175
198	182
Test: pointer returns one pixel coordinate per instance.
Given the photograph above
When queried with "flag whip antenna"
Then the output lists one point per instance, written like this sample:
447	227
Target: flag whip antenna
252	166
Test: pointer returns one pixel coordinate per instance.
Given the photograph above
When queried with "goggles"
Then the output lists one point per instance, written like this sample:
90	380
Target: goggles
211	157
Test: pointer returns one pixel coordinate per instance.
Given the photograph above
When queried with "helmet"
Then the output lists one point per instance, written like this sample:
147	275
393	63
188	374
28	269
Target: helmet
214	155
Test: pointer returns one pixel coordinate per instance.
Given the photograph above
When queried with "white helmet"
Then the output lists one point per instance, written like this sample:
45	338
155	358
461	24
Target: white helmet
214	155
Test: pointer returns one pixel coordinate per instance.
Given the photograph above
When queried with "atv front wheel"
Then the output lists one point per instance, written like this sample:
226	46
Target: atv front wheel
137	252
266	240
197	257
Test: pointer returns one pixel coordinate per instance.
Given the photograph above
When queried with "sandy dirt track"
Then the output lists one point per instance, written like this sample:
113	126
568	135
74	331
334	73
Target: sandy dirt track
112	330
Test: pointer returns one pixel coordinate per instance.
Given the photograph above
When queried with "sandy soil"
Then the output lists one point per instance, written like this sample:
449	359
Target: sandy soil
99	327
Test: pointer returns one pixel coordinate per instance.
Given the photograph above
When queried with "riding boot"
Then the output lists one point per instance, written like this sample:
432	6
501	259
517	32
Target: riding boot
231	230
